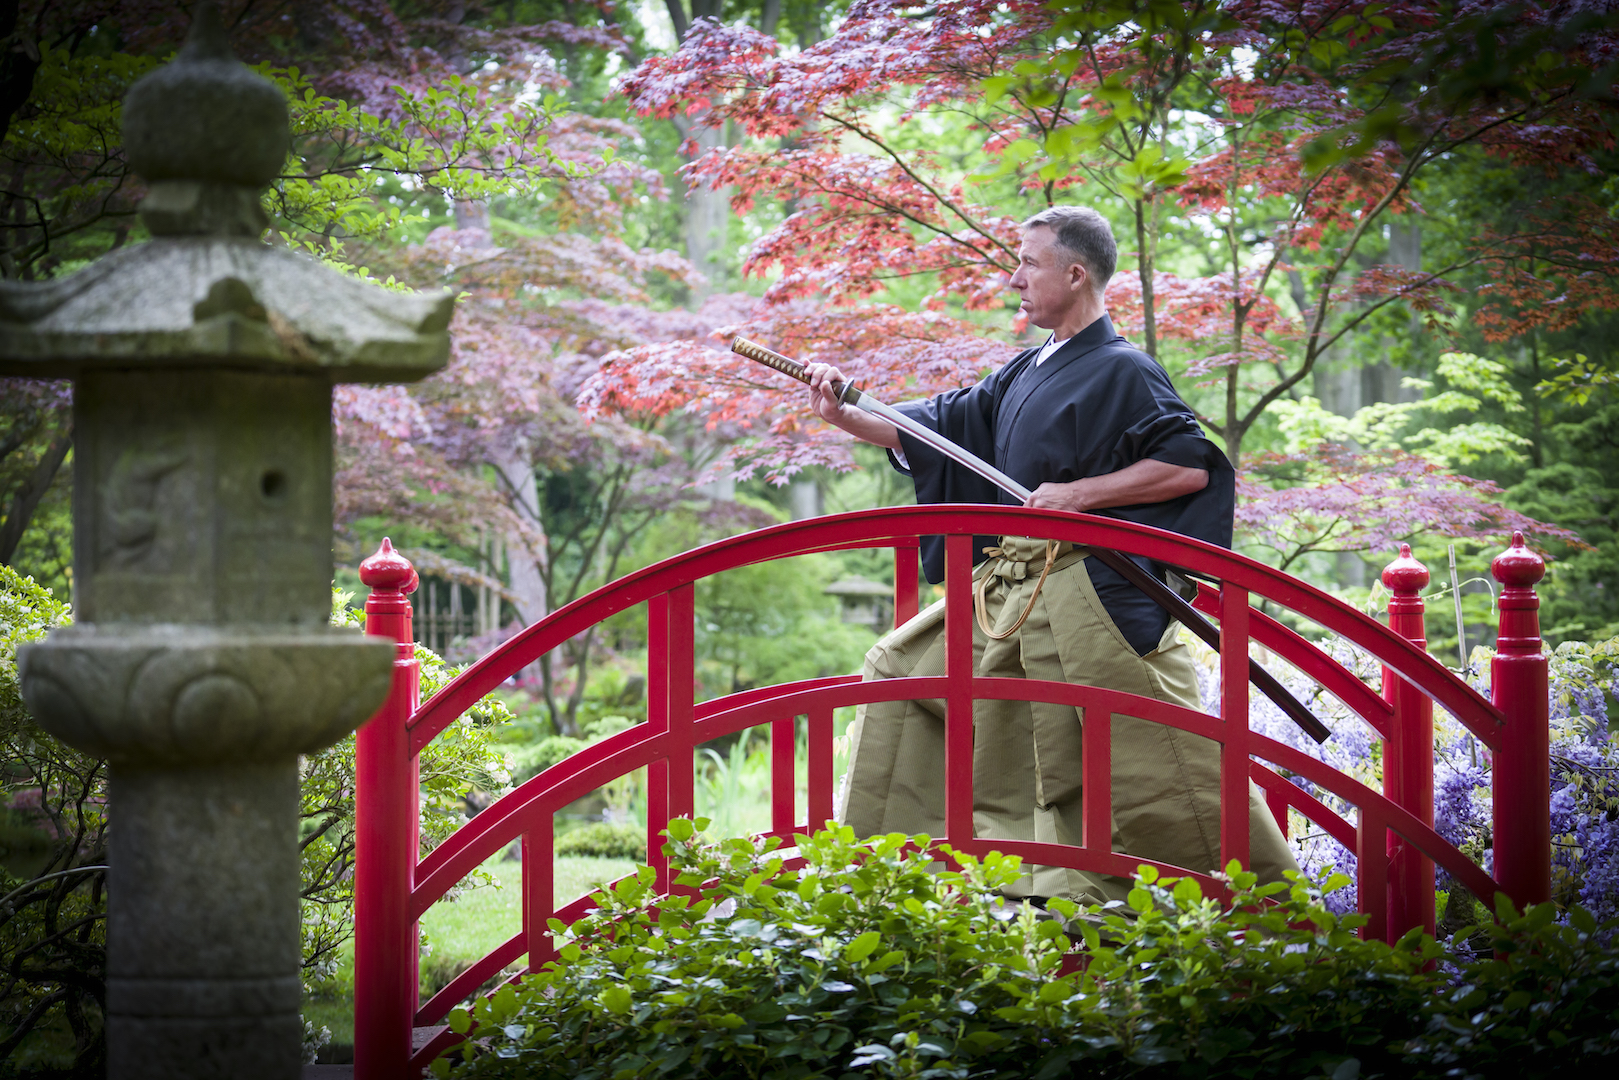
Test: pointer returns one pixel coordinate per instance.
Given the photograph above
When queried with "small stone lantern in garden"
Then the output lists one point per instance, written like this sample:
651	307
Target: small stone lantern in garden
201	664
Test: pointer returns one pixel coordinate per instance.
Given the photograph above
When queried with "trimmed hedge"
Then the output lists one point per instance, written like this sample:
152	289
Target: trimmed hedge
604	840
867	962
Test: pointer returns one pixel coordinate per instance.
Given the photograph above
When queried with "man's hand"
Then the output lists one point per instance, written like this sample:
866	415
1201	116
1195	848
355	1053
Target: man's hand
824	403
1147	481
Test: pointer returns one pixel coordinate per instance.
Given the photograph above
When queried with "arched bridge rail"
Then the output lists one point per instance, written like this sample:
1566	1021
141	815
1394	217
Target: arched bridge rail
1392	835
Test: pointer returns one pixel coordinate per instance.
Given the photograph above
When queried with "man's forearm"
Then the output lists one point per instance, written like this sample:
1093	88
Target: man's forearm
864	426
1147	481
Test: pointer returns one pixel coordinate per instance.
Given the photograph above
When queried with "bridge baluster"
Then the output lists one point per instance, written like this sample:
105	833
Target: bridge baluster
670	692
539	889
959	668
1408	754
906	599
783	774
1234	820
386	837
1521	771
820	778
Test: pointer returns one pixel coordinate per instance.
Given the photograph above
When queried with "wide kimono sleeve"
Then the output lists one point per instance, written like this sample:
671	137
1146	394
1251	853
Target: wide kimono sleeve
967	418
1163	428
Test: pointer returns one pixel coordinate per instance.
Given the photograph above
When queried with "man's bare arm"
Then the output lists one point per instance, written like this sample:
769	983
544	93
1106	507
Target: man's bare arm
857	422
1147	481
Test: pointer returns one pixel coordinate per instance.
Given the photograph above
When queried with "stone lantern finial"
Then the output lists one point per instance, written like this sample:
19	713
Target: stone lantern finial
207	134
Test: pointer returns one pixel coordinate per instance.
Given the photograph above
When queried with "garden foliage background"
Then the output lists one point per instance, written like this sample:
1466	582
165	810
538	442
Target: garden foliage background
1373	243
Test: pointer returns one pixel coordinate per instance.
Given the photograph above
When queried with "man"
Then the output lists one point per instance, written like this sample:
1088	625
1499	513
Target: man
1088	423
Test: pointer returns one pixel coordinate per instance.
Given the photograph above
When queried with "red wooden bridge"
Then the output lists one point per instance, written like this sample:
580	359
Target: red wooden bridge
1391	835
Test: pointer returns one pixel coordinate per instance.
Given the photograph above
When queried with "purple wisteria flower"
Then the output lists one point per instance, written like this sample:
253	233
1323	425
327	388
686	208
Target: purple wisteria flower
1584	792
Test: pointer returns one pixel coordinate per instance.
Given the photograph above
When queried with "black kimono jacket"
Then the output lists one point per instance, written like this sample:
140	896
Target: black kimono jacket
1095	406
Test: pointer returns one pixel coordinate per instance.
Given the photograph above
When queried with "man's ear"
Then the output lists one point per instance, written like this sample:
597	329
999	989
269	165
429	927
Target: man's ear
1078	277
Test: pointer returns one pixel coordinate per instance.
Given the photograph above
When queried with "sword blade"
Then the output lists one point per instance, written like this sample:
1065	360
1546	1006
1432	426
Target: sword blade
960	455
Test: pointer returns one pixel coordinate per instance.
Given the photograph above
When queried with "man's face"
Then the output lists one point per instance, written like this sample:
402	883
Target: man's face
1049	285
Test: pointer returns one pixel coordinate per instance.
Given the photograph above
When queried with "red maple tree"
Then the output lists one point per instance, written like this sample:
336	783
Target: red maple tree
1288	132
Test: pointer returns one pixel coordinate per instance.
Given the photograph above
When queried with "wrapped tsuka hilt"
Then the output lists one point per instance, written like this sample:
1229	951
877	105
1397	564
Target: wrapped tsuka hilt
847	394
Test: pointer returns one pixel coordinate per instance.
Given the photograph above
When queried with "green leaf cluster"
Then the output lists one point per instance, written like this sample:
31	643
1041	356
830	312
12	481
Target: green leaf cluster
872	961
53	826
1428	426
454	140
866	957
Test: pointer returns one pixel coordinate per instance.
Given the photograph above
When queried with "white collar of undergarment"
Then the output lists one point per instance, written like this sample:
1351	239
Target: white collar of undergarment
1051	346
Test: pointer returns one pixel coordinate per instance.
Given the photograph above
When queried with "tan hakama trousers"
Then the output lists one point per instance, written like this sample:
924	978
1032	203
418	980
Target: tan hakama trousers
1027	766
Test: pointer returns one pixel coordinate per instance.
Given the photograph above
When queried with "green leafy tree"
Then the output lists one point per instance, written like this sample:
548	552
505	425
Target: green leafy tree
53	858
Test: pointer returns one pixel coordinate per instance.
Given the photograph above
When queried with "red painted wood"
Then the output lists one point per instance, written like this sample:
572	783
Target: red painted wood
1371	872
436	1008
1234	824
657	720
682	744
385	836
1522	767
1352	791
1308	658
783	773
821	780
539	888
1278	810
1408	754
1283	793
562	786
906	583
1096	799
675	725
958	698
869	528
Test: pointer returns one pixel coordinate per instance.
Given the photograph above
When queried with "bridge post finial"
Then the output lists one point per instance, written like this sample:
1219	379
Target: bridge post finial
386	836
1522	767
1408	754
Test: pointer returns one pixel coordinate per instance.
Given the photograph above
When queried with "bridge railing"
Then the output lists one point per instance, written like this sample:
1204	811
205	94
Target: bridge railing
1391	836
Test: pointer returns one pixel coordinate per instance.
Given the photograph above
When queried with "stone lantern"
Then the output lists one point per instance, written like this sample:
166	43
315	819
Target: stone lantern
201	664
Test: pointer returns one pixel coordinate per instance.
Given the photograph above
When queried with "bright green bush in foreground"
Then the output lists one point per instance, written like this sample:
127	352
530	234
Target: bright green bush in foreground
867	963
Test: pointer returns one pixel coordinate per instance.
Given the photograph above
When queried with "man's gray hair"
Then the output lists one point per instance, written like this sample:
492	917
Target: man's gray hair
1085	237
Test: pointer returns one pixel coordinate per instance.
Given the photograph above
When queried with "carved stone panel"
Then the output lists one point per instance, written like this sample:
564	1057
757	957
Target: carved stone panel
209	497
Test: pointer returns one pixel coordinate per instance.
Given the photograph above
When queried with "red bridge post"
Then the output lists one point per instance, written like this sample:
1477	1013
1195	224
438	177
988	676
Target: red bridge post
1408	754
386	823
1522	767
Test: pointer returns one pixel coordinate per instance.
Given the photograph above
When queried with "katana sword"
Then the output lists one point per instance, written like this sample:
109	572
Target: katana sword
1161	594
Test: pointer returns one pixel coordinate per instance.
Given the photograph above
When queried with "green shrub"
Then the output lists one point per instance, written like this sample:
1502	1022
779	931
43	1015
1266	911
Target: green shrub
871	962
1547	1000
52	847
604	840
529	760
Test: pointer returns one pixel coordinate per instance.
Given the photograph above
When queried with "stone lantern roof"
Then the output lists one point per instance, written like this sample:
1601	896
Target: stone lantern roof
208	135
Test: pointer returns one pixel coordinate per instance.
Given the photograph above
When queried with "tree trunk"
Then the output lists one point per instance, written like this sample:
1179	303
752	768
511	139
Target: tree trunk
708	215
529	568
805	498
806	19
1144	267
19	60
26	501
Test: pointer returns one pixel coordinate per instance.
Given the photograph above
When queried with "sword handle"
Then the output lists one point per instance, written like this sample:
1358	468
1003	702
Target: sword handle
847	394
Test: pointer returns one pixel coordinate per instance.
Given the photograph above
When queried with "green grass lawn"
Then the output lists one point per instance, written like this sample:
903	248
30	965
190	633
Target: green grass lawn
464	930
